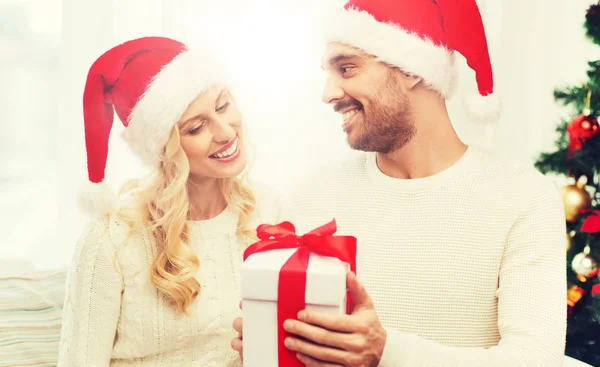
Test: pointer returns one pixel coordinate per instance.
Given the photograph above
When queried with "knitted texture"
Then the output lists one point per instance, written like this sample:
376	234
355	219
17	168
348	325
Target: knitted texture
465	267
114	316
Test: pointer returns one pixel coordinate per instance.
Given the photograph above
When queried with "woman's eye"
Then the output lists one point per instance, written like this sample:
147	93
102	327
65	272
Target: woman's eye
195	130
223	107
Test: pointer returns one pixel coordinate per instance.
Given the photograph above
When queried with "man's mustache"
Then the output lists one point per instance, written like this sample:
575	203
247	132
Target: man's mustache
347	103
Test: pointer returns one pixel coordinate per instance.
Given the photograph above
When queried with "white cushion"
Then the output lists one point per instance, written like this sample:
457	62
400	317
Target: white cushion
30	315
572	362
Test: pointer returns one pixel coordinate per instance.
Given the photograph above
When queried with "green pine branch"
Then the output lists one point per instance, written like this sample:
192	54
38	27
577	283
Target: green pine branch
586	161
583	331
556	162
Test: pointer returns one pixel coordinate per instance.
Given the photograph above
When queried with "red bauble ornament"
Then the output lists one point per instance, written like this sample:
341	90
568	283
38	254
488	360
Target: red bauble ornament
591	224
580	130
596	290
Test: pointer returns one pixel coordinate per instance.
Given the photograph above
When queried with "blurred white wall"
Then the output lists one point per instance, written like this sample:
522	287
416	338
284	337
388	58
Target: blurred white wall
47	46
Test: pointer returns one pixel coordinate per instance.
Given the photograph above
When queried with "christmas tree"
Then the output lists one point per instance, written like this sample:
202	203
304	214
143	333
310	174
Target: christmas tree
577	156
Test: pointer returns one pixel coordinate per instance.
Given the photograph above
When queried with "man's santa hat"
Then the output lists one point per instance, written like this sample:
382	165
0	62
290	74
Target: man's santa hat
149	82
420	37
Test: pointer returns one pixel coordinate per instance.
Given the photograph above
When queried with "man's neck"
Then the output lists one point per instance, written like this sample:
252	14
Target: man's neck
206	199
434	147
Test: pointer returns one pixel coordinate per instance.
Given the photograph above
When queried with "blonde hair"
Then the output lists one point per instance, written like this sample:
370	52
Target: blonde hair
161	203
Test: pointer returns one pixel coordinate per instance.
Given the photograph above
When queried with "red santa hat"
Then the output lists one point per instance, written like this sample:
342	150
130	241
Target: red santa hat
149	82
420	37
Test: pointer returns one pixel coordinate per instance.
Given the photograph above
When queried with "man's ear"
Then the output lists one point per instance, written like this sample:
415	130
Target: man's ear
412	81
408	81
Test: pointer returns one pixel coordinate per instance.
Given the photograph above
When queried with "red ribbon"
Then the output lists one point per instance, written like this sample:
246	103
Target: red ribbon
291	288
591	223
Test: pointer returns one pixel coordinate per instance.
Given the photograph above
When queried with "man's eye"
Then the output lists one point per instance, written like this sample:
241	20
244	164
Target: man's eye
345	69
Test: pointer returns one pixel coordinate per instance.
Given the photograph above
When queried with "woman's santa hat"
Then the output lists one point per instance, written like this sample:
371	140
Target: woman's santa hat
420	37
149	82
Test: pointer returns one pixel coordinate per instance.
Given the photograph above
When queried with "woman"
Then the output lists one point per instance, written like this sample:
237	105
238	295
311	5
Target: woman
155	281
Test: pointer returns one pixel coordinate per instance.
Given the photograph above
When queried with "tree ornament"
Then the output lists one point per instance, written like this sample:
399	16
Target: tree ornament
569	242
583	264
583	127
595	290
576	199
574	295
591	224
592	23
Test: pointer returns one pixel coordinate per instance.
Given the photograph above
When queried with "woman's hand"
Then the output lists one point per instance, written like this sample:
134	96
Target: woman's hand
237	343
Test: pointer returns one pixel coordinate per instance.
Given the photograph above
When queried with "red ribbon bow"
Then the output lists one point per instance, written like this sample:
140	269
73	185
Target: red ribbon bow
291	289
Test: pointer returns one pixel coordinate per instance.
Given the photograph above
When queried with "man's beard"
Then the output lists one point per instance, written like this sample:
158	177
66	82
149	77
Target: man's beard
386	125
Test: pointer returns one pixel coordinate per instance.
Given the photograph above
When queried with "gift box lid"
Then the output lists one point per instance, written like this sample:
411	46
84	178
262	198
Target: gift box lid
325	277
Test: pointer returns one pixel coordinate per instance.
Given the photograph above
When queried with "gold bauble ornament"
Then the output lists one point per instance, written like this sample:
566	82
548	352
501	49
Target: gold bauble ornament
575	199
569	242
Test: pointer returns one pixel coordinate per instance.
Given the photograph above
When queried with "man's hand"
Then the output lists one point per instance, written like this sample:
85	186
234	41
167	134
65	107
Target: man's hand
237	344
331	340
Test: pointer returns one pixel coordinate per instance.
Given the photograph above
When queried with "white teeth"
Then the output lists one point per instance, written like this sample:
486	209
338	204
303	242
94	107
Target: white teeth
228	152
348	114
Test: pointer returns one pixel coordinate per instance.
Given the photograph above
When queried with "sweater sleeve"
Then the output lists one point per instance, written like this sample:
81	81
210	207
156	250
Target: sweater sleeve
531	300
92	302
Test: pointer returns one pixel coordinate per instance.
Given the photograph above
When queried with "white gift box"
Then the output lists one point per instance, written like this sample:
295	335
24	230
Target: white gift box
325	292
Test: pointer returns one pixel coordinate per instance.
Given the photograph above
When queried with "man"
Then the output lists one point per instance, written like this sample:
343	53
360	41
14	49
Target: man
461	254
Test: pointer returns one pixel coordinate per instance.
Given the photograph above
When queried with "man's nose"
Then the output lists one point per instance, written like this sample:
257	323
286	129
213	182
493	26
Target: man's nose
332	91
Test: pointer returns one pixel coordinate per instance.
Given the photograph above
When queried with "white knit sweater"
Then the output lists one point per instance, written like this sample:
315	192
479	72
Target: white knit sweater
466	268
117	318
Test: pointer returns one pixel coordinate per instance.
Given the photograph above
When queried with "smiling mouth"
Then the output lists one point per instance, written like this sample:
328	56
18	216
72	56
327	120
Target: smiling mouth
349	117
350	113
228	152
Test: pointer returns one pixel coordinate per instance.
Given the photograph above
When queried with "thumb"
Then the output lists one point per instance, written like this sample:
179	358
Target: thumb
359	293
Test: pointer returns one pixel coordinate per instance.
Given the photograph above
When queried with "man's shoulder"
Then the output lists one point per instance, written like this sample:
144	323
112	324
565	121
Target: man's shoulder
268	201
507	172
264	191
348	165
339	170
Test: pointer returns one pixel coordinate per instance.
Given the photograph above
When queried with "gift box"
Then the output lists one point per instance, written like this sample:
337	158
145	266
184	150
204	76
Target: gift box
283	274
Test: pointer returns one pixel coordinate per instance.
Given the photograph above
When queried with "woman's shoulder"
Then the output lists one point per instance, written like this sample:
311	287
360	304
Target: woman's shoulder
108	232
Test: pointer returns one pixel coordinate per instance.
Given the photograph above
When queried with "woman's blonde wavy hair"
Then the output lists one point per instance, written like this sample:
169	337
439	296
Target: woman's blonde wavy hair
161	203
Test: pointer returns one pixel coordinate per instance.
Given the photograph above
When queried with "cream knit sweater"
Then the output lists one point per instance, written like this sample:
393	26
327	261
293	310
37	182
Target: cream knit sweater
466	268
115	317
